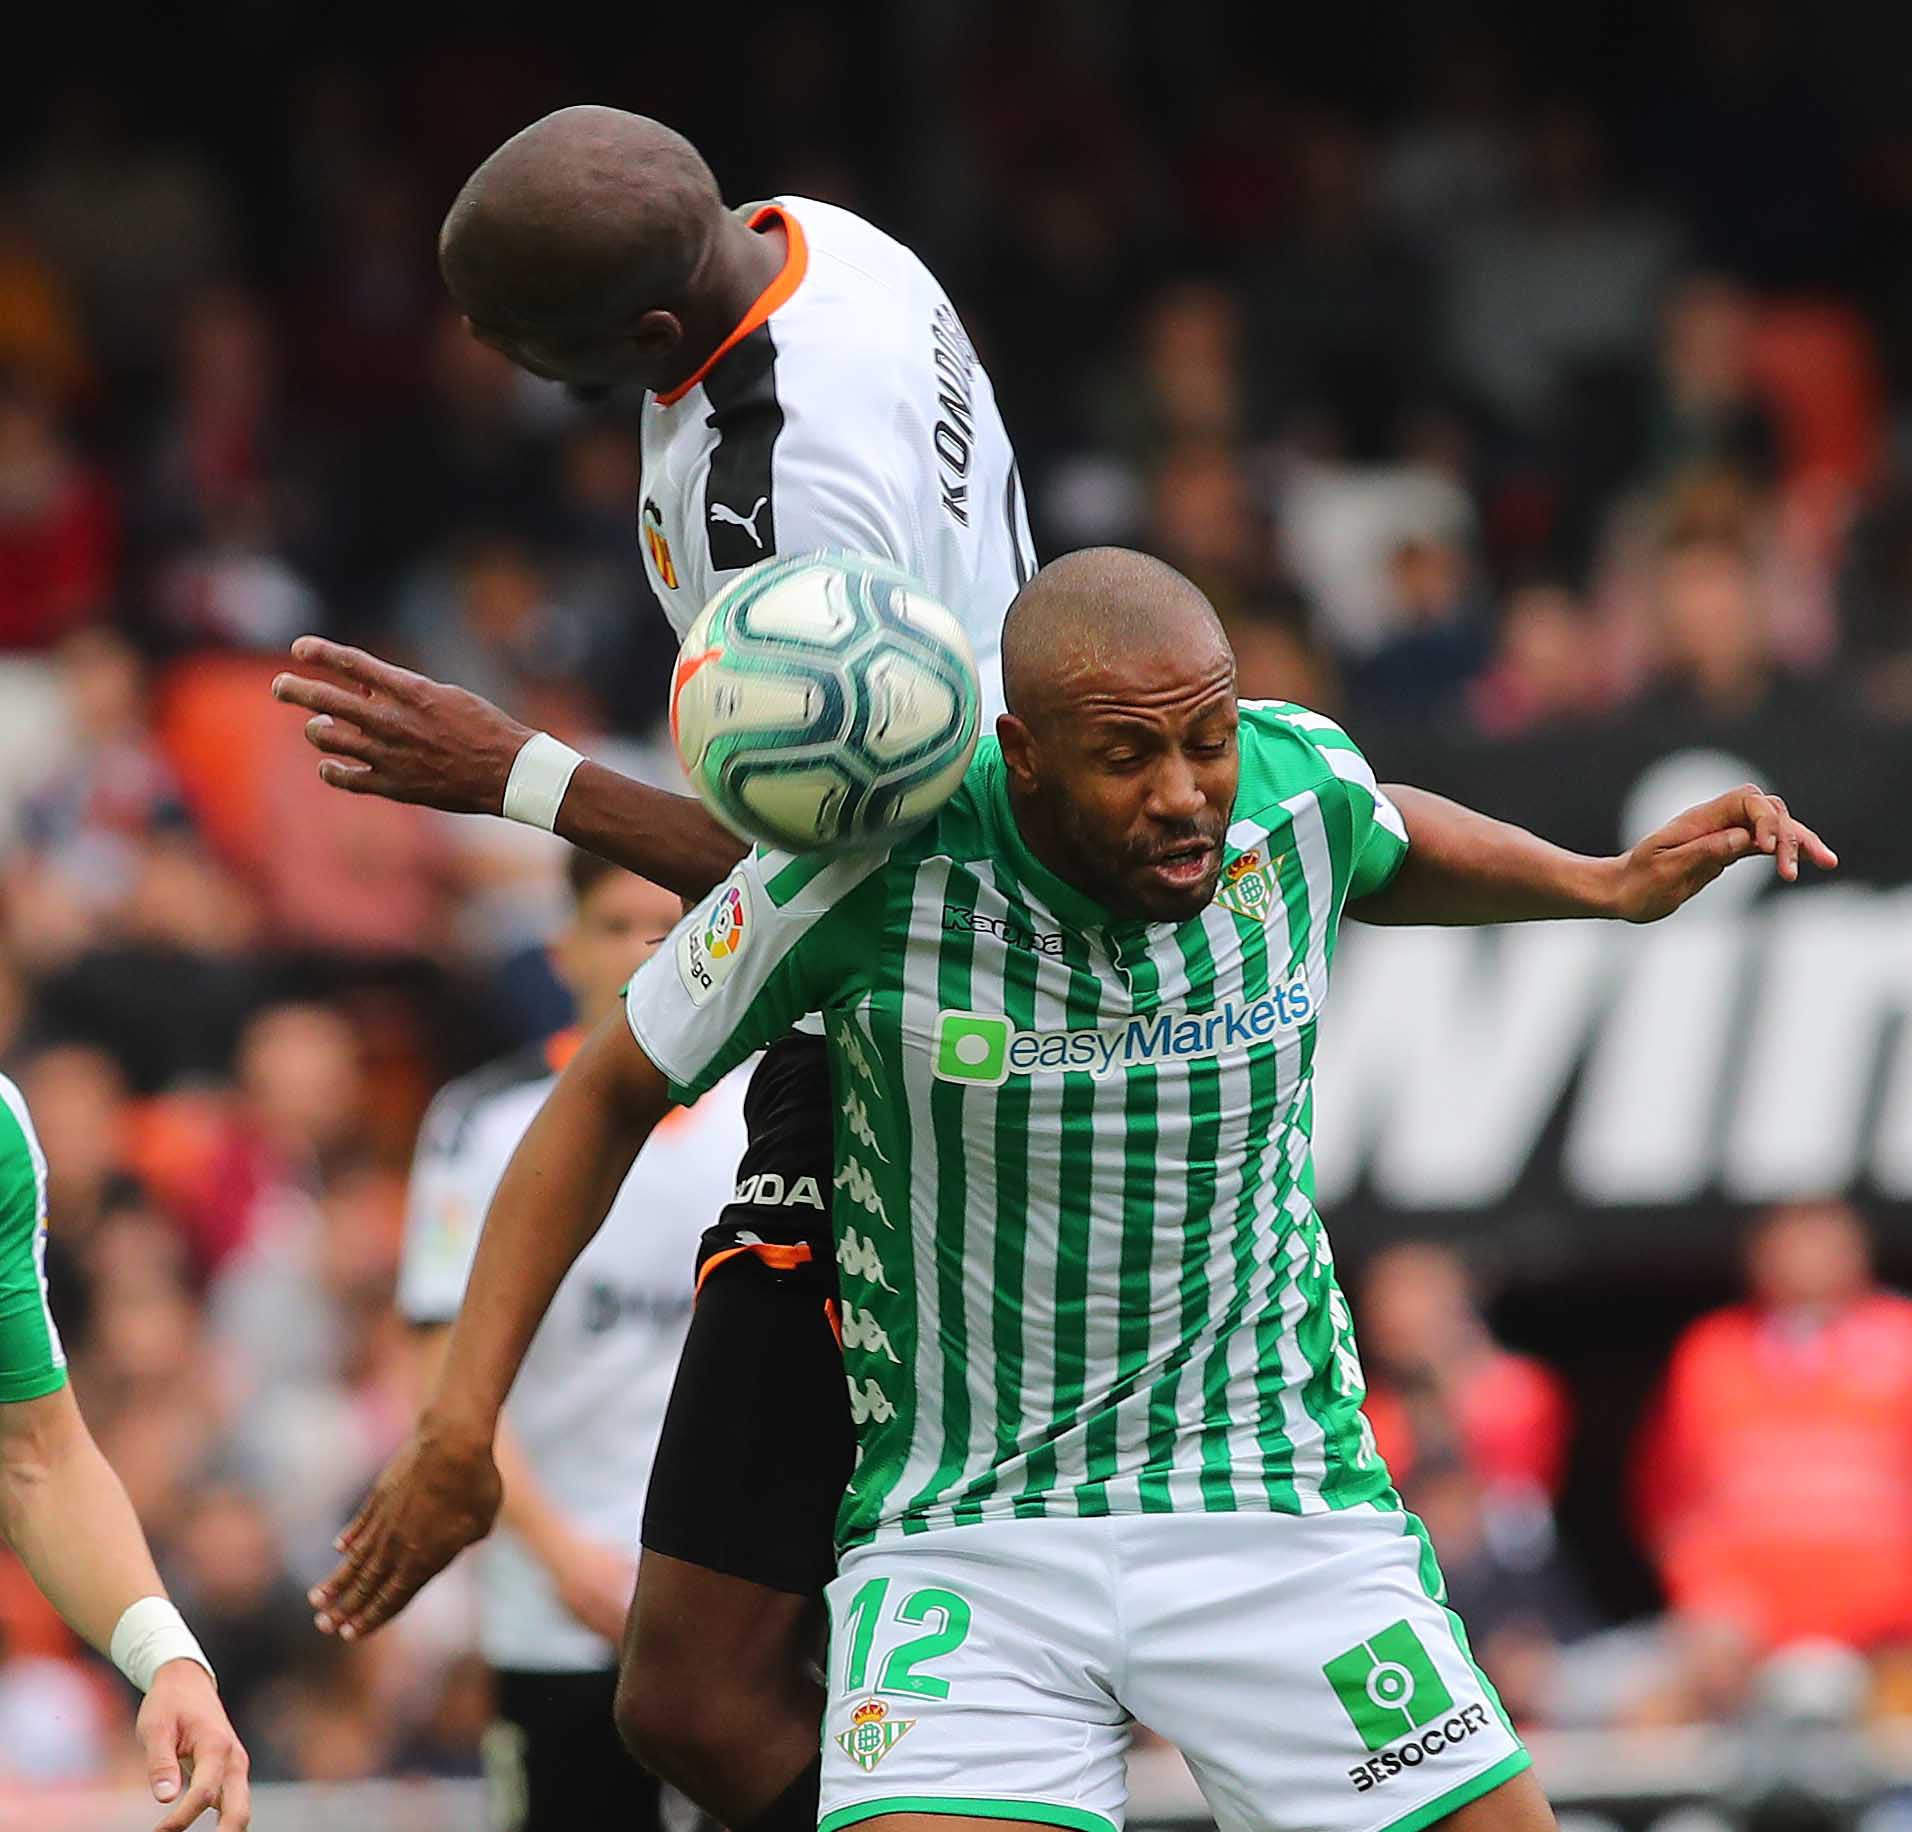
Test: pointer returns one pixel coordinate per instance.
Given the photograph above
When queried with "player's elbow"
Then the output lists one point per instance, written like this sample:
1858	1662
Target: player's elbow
681	1734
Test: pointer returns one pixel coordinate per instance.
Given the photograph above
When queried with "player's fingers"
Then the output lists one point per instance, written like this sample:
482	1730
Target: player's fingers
355	665
235	1796
160	1740
317	696
341	738
397	1590
1816	849
353	778
208	1770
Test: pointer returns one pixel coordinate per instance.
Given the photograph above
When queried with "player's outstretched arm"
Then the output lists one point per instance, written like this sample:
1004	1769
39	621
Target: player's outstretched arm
441	1491
389	732
1463	868
64	1512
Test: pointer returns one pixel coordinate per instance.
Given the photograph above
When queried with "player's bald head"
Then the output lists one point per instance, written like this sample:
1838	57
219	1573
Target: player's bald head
1103	619
584	220
1120	734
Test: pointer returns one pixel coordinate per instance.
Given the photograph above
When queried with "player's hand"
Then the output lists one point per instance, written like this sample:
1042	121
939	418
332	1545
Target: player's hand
1680	859
594	1583
387	731
435	1498
194	1761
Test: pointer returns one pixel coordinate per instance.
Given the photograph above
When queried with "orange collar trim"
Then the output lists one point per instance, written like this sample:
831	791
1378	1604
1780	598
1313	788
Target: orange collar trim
796	263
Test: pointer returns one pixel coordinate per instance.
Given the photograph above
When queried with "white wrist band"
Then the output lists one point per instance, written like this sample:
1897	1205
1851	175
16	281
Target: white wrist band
540	774
151	1633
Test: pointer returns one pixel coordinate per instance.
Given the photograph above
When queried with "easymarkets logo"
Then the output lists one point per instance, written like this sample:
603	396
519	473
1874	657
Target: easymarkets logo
986	1049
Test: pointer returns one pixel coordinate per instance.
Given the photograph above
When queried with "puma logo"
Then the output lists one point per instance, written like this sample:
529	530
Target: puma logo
723	512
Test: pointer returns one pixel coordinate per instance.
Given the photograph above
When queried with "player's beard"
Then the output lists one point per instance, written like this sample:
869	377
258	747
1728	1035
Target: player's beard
1118	875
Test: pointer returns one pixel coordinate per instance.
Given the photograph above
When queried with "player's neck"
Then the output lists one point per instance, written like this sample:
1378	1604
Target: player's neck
741	264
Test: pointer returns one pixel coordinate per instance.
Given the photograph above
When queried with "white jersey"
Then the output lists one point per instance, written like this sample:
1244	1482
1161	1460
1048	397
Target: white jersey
589	1402
846	410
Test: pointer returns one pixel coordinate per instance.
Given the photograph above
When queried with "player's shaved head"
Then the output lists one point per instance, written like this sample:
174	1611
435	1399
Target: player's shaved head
1120	733
586	218
1102	614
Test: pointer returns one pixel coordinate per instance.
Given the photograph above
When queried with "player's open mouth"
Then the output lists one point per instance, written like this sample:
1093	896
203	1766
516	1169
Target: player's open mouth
1184	866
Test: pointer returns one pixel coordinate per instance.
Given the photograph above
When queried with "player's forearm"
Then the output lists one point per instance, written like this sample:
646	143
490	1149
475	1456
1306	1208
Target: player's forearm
66	1514
552	1199
666	838
1464	868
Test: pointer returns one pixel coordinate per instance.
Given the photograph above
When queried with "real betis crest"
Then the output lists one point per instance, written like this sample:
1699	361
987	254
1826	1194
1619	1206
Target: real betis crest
873	1733
1248	884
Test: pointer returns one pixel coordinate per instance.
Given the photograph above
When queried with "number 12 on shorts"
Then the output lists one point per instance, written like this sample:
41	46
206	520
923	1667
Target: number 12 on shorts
950	1616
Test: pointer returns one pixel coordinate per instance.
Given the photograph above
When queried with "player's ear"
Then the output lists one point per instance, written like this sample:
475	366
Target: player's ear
1019	750
656	334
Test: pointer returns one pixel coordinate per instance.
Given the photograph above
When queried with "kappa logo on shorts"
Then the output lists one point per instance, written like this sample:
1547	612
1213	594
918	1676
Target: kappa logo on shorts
873	1733
1388	1685
709	945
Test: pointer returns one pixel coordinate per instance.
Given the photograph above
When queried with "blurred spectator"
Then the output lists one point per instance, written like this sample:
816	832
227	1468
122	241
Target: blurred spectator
228	1569
134	227
1568	279
1441	1386
1440	642
1717	660
1544	669
40	339
1775	1479
1339	307
58	524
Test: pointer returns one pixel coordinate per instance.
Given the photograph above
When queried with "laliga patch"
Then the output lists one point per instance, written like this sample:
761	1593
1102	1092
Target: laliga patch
711	942
1248	884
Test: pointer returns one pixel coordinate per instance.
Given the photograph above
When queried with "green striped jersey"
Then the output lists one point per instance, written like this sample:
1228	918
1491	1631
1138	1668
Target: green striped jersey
32	1362
1081	1268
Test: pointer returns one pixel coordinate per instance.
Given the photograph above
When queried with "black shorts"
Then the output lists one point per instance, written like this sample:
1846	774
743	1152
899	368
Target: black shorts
757	1444
553	1761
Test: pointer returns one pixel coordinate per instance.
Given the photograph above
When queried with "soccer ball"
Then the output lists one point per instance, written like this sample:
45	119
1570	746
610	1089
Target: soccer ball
825	703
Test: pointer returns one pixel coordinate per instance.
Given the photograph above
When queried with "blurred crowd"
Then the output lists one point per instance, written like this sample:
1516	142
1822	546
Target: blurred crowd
1494	405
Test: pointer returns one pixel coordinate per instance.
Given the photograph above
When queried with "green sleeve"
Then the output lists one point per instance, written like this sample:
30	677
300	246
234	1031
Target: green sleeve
781	937
32	1363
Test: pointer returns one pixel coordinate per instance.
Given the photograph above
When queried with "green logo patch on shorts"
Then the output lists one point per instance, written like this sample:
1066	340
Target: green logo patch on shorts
1388	1685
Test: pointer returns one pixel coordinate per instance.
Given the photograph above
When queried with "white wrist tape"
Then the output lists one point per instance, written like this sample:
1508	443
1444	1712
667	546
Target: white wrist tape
151	1633
540	774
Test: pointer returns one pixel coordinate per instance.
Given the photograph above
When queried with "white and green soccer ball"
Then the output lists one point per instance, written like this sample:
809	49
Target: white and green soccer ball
825	703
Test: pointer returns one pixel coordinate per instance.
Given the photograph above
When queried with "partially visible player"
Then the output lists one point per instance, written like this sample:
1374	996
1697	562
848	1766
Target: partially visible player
1113	1460
64	1512
809	385
582	1424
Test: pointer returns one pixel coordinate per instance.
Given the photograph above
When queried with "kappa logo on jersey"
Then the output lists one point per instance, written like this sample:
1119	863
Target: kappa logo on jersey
861	1330
1013	935
707	950
657	544
869	1404
856	1181
857	1255
725	514
873	1733
855	1051
1388	1685
1248	884
856	1116
985	1049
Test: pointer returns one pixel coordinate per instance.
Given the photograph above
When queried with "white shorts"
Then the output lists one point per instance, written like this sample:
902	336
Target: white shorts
1305	1666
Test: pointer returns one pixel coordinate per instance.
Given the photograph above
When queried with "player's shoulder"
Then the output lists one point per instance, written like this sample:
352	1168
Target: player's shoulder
851	250
460	1108
22	1163
1288	748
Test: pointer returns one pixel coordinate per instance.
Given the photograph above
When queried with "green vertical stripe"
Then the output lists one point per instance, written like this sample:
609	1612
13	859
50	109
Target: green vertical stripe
1139	1222
1008	1268
883	1451
1075	1220
1198	1222
955	961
